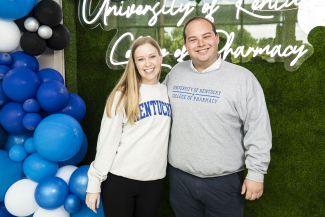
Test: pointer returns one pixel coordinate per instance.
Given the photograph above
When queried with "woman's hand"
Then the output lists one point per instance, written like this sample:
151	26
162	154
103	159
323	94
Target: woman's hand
92	201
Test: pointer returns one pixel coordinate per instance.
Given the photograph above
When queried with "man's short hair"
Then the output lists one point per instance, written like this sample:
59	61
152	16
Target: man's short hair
198	18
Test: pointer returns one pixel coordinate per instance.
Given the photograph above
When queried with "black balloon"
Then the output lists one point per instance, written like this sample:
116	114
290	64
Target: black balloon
20	22
60	38
48	13
32	44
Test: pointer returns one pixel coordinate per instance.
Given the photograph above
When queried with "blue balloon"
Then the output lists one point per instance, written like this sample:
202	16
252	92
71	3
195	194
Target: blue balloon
3	136
50	75
13	10
10	172
11	116
78	182
58	137
5	59
75	107
52	96
17	139
22	59
17	153
29	146
36	167
31	105
75	160
72	203
3	211
51	192
4	99
3	70
20	84
31	120
86	212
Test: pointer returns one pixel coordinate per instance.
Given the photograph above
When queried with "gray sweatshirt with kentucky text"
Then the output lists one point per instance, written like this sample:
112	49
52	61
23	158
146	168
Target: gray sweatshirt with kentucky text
220	122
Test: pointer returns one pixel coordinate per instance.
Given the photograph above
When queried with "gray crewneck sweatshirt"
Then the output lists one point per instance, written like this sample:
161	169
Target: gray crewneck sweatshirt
220	122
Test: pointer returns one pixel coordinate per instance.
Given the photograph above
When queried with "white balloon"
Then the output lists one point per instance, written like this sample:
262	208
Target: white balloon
20	200
65	172
9	35
31	24
59	212
45	32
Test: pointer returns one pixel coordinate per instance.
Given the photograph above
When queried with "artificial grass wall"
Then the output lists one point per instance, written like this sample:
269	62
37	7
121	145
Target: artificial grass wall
294	185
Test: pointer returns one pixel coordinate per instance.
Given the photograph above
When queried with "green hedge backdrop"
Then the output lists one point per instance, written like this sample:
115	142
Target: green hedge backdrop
295	183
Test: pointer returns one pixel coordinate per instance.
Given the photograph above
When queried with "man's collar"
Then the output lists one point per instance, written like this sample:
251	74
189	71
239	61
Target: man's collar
214	66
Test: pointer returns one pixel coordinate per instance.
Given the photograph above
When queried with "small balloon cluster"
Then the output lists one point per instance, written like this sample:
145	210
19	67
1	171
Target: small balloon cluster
40	26
42	140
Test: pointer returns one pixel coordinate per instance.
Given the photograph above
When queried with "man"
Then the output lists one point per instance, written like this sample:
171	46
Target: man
219	124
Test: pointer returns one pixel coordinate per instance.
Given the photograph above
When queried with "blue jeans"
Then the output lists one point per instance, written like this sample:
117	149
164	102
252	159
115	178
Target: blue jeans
191	196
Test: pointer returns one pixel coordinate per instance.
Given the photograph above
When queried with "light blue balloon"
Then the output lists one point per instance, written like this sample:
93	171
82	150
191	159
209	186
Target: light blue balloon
86	212
17	153
58	137
36	167
75	160
10	172
13	10
29	145
17	139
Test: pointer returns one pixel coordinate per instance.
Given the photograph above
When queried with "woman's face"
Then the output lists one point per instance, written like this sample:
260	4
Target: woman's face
148	62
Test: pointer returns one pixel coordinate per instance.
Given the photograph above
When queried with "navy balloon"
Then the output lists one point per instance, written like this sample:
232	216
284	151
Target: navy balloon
31	120
29	146
72	203
52	96
36	167
75	107
3	70
58	137
43	113
3	136
78	182
4	99
13	10
3	211
50	75
17	139
5	59
17	153
51	192
10	172
31	105
75	160
11	116
86	212
22	59
20	84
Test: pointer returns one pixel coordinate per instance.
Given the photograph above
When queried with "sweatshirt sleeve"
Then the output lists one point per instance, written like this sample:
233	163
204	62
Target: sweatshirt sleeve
108	141
257	133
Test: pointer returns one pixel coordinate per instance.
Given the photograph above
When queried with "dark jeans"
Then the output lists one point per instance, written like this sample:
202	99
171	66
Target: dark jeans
191	196
124	197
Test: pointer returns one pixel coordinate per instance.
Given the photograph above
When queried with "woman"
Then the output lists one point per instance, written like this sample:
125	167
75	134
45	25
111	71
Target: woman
132	144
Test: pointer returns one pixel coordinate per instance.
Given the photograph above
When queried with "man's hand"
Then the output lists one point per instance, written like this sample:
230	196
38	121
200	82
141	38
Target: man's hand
254	190
93	199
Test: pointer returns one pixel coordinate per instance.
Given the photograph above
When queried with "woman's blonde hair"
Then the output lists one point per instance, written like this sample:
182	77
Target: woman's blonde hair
129	84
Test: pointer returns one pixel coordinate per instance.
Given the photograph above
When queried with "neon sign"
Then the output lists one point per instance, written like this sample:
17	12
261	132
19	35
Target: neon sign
249	30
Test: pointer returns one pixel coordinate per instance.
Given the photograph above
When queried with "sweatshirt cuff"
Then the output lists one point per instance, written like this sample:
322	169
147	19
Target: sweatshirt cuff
255	176
93	187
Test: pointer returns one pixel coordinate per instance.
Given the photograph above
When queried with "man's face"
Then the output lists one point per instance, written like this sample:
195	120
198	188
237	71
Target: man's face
201	44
